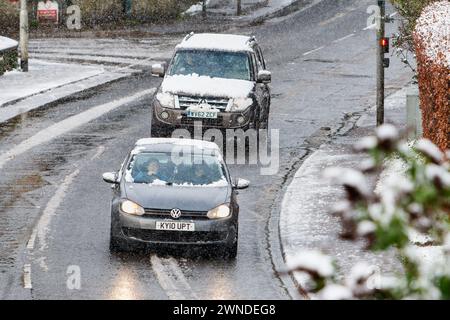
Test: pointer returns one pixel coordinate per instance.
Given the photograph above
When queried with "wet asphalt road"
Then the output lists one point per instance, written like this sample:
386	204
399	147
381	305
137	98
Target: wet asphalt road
52	194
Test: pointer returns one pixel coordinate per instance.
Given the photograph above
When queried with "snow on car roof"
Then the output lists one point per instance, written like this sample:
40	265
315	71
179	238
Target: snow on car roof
214	41
6	43
178	142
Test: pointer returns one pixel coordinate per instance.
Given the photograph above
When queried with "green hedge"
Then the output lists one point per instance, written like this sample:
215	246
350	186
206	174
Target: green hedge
8	60
97	12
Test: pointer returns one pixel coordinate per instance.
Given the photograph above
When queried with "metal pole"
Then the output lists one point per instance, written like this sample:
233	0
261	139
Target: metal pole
23	35
380	64
239	8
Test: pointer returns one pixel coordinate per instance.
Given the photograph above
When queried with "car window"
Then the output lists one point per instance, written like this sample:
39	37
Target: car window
164	169
217	64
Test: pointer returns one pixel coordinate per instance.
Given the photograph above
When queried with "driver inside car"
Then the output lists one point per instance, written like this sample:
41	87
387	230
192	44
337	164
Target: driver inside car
152	172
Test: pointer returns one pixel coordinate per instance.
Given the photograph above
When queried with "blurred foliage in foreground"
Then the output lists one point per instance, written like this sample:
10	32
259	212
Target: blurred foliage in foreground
408	212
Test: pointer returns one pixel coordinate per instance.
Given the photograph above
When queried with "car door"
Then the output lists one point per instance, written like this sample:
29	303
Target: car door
262	87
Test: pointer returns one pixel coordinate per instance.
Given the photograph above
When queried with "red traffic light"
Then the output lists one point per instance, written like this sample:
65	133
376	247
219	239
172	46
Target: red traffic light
385	44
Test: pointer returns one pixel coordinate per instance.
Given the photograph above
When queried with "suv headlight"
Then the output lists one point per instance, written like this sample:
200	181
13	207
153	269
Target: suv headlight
240	104
222	211
166	100
130	207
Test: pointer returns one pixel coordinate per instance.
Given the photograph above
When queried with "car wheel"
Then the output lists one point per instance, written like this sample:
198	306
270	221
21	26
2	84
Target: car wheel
117	244
231	251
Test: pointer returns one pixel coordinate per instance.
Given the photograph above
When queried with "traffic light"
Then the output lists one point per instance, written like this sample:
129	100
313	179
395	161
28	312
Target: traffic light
385	44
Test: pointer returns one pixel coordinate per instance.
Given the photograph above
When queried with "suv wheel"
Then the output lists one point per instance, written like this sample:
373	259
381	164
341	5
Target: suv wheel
158	132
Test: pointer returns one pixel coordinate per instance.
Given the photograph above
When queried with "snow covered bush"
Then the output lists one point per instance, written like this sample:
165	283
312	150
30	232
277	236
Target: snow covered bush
8	54
406	209
432	43
410	11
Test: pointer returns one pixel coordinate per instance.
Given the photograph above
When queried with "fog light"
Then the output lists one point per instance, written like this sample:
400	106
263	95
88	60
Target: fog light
164	115
240	119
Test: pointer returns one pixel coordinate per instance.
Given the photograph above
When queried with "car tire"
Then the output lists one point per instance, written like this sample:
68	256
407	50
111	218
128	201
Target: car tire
230	251
117	244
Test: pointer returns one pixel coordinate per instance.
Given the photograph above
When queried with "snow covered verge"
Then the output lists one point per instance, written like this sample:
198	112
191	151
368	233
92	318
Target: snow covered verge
432	42
42	76
408	212
7	43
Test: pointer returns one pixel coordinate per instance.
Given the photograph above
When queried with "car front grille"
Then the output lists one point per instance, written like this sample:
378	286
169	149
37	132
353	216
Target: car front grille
175	236
188	101
165	213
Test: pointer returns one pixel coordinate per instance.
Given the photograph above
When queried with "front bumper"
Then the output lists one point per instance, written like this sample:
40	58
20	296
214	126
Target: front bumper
178	118
142	229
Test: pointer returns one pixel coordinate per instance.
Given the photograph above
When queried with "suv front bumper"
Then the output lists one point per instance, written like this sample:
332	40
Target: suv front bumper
178	118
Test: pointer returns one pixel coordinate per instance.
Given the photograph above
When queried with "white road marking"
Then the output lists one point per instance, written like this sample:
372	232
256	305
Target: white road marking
344	38
67	125
393	14
41	229
314	50
99	152
171	278
27	277
175	268
164	279
372	26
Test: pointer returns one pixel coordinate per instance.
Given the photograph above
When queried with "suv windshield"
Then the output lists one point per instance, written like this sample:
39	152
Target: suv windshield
159	169
215	64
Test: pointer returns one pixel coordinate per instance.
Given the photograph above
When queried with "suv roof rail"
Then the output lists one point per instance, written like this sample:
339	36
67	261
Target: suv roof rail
188	36
251	40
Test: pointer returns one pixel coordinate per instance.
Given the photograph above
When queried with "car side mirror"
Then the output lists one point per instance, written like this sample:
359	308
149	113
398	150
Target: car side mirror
110	177
241	184
264	76
159	69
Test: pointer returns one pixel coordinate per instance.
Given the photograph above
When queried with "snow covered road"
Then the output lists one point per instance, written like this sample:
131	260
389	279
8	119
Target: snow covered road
311	94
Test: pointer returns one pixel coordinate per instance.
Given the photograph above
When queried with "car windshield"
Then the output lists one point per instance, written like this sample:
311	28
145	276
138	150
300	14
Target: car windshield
165	169
215	64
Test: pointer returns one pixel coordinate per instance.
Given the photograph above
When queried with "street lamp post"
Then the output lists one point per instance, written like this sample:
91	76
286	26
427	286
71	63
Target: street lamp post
380	63
23	35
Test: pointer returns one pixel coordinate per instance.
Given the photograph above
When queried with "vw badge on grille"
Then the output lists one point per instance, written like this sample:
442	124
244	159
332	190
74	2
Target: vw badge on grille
175	213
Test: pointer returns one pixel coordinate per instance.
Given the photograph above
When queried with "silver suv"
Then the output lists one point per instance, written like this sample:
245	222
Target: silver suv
219	80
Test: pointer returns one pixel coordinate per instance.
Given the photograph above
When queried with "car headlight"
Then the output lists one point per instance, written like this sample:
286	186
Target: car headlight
240	104
130	207
222	211
166	100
